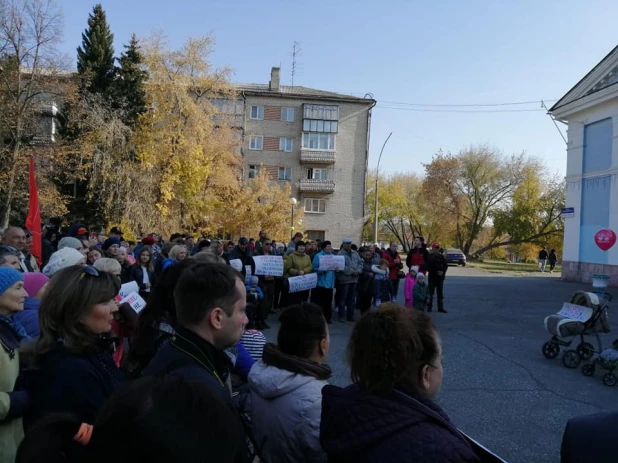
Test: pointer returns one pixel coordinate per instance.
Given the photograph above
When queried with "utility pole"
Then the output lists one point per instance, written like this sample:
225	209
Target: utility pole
375	210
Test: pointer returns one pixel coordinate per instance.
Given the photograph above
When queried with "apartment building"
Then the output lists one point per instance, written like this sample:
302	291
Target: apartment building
318	142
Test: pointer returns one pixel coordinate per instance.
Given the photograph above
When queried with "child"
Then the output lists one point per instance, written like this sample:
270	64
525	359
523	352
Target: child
254	292
408	288
382	289
420	293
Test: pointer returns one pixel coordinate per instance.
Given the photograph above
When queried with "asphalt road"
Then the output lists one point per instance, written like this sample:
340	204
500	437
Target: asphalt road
498	387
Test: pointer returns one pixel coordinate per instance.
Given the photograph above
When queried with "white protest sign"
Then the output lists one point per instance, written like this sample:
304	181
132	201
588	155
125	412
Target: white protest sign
576	312
128	288
331	262
269	265
236	264
135	301
303	282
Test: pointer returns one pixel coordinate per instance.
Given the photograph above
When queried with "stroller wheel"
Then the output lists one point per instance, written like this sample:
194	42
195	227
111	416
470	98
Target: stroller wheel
585	350
571	359
609	379
551	350
588	370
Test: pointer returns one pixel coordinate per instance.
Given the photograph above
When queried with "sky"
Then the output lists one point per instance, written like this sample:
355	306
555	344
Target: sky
403	52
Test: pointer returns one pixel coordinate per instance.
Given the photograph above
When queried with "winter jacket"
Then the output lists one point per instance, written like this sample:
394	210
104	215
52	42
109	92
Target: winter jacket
353	265
590	439
408	289
417	257
12	403
246	258
394	263
295	262
62	382
365	281
286	396
325	279
436	263
380	273
543	254
388	428
29	317
137	275
419	297
553	258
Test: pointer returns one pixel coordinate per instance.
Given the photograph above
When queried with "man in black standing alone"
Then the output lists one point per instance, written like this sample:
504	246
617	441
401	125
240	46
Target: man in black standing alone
436	267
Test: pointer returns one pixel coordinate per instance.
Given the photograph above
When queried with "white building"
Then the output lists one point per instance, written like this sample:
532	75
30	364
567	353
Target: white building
591	111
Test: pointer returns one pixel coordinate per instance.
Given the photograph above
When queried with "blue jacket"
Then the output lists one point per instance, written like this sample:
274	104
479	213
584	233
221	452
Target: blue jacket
61	382
191	357
29	317
325	279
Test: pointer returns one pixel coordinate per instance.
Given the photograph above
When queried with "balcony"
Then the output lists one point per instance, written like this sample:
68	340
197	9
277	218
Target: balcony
317	186
317	157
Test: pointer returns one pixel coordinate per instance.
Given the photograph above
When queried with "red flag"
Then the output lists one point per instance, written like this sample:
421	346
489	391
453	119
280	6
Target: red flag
33	219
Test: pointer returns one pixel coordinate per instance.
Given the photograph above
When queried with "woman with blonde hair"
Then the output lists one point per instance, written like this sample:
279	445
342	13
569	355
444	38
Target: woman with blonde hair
177	254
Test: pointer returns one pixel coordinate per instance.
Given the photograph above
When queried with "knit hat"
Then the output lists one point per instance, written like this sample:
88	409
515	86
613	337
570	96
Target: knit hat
70	242
254	280
148	240
8	277
62	258
33	282
110	242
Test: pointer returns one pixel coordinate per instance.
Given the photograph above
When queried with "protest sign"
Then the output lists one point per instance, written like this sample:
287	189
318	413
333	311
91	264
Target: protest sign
303	282
135	301
576	312
128	288
269	265
331	262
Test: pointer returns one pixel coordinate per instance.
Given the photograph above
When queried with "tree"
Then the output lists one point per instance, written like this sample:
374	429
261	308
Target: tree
32	70
95	57
470	186
129	86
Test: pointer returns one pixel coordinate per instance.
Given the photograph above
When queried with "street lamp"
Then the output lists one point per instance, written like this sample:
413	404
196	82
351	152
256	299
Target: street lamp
375	209
293	202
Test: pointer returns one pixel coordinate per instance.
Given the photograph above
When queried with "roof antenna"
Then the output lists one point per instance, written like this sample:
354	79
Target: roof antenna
295	53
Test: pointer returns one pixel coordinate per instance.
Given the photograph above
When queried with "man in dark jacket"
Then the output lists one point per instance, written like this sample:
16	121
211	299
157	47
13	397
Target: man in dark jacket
436	268
210	306
243	253
589	439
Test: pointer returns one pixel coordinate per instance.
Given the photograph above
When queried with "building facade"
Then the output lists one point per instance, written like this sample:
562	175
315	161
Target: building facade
590	109
316	141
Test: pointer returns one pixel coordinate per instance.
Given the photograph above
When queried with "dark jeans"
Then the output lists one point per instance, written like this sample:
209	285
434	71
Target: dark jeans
289	299
395	291
324	298
436	283
268	288
346	298
277	294
363	301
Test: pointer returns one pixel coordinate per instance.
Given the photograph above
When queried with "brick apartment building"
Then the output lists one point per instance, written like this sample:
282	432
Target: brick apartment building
317	141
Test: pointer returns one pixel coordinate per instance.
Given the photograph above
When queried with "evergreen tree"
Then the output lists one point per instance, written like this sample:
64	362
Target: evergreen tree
130	83
95	57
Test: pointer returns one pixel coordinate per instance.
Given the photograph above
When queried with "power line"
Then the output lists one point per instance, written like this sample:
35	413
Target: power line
469	111
466	105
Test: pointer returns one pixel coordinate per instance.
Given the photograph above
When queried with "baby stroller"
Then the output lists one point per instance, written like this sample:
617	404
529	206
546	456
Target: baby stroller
585	315
608	360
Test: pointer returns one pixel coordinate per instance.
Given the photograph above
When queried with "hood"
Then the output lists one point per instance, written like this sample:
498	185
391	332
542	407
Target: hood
270	382
353	420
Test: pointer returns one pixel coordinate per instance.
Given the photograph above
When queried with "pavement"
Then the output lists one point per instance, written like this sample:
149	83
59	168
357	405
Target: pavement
498	387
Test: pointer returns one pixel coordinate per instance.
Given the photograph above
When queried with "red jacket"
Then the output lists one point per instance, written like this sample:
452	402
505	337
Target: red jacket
393	264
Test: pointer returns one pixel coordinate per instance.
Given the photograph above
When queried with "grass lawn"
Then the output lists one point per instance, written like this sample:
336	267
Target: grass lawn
500	266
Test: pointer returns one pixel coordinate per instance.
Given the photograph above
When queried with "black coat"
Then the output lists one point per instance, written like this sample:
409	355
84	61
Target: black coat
245	257
137	274
390	428
590	439
436	263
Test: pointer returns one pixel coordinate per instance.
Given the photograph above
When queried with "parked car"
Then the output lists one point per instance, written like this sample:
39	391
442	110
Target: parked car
455	256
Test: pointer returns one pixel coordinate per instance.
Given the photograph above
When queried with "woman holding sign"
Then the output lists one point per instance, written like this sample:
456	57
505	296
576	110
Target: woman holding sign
73	369
296	264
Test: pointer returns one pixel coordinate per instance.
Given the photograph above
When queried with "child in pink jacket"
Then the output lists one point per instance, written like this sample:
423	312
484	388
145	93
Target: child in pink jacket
408	287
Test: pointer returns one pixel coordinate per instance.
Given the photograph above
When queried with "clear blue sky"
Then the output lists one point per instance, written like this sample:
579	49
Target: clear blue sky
447	52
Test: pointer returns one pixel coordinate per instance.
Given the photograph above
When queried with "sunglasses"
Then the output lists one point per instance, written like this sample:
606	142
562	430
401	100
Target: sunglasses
88	270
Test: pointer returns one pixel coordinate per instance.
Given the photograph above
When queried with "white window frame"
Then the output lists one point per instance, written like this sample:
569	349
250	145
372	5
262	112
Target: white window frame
321	204
307	146
286	144
256	140
259	113
287	114
285	170
323	174
254	171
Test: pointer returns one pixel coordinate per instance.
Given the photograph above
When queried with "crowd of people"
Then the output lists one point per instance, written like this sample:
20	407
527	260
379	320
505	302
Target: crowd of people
190	377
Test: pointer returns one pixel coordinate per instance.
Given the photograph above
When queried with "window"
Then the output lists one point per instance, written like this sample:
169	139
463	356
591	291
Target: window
255	143
287	114
320	126
317	174
286	144
254	171
326	113
285	173
315	234
319	141
315	205
257	112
